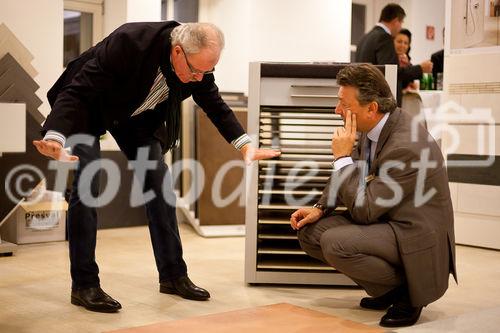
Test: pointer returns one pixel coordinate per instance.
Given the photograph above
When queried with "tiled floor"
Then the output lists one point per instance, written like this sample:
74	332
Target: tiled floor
35	286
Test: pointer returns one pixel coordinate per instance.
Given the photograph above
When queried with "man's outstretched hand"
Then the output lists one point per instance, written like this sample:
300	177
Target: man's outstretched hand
54	150
251	154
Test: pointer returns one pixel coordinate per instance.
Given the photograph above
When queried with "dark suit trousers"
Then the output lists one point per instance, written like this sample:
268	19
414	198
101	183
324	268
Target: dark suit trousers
368	254
82	219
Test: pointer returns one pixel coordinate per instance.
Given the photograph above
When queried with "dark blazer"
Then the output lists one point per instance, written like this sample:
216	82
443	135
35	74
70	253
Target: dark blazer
425	232
377	47
108	82
437	59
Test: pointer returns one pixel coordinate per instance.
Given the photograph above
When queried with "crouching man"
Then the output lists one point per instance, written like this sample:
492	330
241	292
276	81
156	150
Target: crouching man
396	238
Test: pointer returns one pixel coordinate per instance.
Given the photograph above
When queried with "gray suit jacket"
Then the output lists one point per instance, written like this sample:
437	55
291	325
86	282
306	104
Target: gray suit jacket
424	231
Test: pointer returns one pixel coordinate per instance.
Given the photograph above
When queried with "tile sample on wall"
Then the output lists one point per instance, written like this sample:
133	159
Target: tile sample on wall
10	43
9	64
18	86
12	127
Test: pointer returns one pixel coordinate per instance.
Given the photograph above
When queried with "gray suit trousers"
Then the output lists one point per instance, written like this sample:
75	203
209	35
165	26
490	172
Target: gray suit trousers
368	254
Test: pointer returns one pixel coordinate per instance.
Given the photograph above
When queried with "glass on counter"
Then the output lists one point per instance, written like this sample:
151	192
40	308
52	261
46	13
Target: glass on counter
439	81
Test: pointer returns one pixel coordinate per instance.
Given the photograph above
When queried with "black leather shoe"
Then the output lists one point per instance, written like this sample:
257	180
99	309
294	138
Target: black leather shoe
381	302
94	299
184	288
401	314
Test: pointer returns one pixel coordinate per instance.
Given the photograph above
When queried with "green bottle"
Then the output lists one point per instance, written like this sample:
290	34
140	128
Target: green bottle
423	82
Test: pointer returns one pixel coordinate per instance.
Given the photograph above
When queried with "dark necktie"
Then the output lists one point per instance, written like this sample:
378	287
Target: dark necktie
368	149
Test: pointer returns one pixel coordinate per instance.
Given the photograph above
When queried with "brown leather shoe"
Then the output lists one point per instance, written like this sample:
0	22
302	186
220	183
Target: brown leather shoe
184	288
94	299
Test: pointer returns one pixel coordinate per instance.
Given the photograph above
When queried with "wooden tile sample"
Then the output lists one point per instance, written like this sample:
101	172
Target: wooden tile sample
276	318
9	43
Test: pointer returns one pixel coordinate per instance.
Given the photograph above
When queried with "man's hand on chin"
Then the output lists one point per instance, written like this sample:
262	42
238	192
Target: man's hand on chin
344	137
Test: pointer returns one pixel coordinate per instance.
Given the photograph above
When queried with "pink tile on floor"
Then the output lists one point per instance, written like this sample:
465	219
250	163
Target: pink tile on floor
276	318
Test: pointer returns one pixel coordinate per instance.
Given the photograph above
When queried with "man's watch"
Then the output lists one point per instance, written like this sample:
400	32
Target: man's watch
319	206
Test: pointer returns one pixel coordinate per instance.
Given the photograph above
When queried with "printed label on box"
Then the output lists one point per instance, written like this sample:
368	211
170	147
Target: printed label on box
42	220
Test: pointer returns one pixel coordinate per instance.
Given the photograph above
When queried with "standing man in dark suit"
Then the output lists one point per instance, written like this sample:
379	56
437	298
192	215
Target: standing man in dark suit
396	239
437	59
377	47
132	84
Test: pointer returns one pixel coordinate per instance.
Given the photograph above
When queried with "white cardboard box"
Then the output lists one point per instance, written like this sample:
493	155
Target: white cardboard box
43	221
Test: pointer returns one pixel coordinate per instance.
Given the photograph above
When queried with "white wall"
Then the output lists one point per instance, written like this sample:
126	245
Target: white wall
115	14
378	5
38	24
278	30
118	12
419	14
233	18
477	73
143	10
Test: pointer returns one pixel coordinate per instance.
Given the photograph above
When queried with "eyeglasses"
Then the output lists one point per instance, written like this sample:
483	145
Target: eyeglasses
195	71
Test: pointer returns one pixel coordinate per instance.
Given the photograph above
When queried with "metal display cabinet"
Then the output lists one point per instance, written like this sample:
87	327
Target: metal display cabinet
291	107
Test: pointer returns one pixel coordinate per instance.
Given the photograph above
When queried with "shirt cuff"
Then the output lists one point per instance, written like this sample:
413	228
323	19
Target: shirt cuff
241	141
55	136
341	163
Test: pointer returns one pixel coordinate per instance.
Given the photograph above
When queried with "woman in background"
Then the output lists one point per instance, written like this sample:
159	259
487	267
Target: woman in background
402	44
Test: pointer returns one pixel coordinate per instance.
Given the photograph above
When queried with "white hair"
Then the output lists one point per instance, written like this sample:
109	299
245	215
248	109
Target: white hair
196	36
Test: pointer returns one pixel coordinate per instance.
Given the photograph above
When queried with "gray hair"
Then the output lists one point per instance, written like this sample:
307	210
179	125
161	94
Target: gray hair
371	85
196	36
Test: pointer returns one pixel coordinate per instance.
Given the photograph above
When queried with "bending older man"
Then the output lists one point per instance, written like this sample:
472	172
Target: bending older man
131	84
